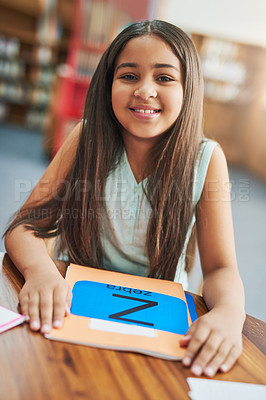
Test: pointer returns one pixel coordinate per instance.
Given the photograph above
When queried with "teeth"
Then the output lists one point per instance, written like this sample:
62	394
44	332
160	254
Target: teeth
145	111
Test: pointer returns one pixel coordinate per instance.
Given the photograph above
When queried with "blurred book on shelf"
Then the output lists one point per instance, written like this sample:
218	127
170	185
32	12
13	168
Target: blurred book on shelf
27	61
224	73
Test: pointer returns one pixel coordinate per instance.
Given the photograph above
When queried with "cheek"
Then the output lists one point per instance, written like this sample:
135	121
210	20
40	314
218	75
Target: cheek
113	95
179	101
175	101
119	100
115	100
118	97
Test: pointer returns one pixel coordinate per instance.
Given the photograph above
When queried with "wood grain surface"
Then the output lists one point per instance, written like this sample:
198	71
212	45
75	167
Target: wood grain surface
32	367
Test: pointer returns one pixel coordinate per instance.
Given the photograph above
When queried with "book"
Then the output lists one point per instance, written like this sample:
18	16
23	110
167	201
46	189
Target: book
9	319
126	312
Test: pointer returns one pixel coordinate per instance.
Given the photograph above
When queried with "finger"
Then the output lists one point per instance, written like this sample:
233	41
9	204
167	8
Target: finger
185	340
59	308
67	310
218	360
68	301
34	311
192	329
206	354
46	310
23	304
231	358
200	336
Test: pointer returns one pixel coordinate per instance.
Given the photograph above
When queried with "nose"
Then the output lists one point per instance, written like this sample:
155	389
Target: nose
145	91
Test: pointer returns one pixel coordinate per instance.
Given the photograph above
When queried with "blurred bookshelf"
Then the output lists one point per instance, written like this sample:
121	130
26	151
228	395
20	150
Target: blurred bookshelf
30	49
95	24
49	48
25	81
235	100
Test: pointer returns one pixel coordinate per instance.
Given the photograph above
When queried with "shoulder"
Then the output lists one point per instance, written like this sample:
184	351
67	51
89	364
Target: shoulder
210	171
218	164
217	184
206	150
65	156
71	142
210	158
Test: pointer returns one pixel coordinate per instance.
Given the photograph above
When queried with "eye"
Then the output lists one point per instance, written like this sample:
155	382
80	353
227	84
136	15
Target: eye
164	78
128	77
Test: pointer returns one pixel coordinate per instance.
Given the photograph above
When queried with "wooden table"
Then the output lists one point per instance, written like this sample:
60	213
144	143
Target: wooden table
32	367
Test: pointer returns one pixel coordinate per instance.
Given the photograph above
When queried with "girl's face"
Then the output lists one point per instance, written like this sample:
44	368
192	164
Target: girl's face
147	90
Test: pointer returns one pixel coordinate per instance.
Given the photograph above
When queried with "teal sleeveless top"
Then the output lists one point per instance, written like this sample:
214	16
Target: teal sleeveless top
123	240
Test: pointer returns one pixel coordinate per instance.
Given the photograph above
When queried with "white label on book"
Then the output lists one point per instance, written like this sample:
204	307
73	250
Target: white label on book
119	327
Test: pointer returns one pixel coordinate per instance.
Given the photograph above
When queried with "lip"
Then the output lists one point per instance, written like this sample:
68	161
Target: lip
140	112
144	107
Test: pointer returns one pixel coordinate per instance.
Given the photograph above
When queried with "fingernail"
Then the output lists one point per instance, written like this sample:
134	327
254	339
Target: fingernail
196	369
35	325
57	324
27	318
209	371
224	368
46	328
187	361
186	337
67	309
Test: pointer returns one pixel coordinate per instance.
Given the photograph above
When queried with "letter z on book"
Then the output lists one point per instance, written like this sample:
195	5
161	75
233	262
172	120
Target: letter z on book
126	312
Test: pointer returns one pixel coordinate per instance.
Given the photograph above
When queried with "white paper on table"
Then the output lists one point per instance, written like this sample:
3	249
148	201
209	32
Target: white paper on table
9	319
209	389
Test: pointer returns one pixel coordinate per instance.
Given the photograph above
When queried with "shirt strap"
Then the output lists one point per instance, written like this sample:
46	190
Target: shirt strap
201	168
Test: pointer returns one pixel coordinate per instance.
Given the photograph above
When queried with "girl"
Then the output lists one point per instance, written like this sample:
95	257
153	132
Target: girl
126	188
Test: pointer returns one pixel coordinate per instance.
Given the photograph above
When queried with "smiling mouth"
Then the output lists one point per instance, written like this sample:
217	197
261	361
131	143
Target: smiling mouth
142	111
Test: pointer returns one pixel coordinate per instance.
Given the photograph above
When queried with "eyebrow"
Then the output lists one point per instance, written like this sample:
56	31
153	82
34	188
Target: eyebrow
158	65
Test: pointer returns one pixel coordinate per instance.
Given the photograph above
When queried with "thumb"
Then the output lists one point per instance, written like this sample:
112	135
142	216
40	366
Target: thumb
184	341
68	302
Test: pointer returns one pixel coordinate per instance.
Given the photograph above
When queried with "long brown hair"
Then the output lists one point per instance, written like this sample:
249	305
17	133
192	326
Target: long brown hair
75	213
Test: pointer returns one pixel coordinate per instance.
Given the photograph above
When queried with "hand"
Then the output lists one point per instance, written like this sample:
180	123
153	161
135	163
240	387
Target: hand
214	342
45	299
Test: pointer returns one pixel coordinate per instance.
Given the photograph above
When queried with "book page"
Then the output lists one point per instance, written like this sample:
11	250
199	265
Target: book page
209	389
9	319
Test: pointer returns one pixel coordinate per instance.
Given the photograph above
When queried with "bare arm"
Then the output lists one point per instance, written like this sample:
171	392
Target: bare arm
45	297
214	340
215	234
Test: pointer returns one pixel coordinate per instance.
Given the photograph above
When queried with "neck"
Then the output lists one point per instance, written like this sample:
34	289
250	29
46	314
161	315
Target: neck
137	154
